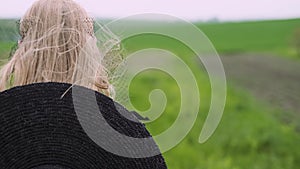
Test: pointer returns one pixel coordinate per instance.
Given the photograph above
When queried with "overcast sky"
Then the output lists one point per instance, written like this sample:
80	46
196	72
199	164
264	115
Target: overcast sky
185	9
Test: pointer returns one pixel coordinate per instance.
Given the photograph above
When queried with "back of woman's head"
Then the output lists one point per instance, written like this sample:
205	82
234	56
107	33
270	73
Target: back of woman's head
57	45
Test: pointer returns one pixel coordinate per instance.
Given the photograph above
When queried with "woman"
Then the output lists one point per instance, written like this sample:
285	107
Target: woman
57	48
57	45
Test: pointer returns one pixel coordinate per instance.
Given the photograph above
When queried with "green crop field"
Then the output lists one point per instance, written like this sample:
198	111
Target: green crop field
251	134
276	37
272	37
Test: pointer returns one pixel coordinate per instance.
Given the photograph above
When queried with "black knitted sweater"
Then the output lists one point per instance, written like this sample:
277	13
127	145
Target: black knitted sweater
39	129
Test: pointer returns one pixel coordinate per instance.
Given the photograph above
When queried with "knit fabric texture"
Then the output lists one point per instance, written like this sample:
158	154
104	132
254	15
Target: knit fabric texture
41	130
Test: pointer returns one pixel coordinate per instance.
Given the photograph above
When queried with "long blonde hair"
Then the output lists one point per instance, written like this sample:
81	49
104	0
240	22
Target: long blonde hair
57	45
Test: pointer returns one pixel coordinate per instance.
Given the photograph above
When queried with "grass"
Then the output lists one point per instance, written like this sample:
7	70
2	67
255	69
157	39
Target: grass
274	37
250	135
5	48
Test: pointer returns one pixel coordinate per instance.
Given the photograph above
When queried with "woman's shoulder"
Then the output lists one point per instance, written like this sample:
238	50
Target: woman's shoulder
63	121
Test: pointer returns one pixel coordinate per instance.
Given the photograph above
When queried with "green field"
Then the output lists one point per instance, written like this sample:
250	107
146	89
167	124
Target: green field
274	37
271	37
251	134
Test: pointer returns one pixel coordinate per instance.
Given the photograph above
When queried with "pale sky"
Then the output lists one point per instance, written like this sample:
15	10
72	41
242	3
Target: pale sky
185	9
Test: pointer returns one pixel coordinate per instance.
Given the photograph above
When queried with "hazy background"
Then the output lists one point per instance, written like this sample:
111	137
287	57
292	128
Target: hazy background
259	44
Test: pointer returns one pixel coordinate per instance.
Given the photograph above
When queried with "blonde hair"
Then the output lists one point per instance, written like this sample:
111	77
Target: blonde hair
58	45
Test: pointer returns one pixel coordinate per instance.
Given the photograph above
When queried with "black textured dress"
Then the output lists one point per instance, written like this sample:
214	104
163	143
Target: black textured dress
40	129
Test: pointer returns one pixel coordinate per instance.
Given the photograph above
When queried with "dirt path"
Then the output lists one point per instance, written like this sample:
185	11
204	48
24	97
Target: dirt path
273	79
